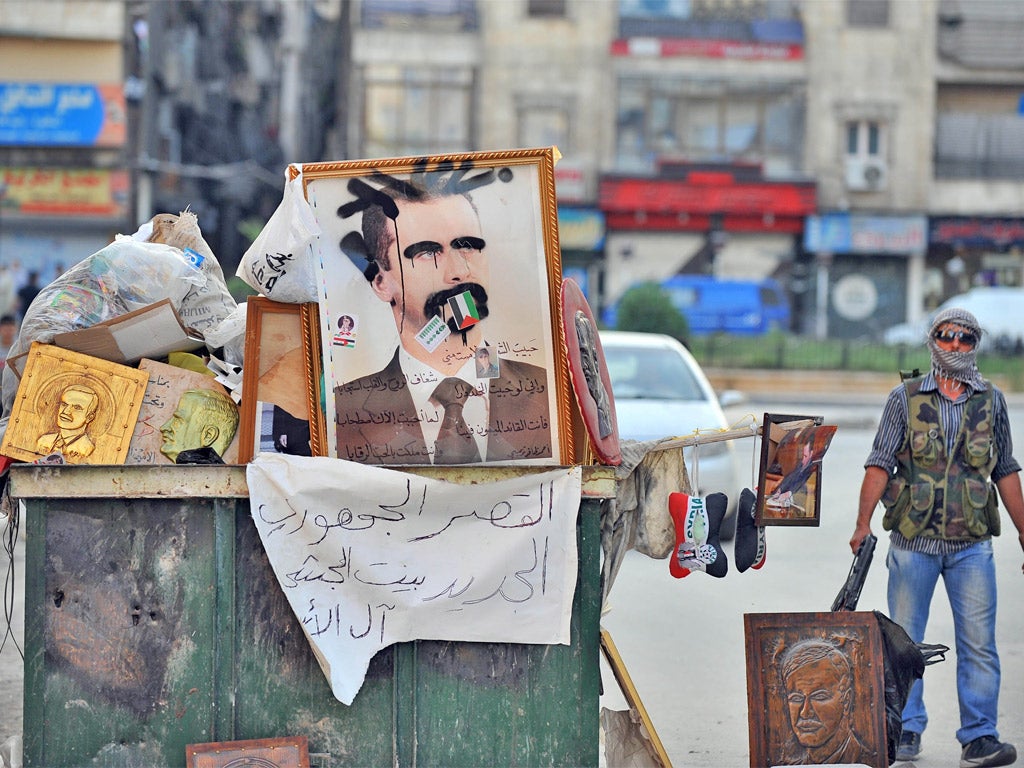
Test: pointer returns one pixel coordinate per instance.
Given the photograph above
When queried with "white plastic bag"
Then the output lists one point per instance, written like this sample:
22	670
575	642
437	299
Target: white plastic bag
279	264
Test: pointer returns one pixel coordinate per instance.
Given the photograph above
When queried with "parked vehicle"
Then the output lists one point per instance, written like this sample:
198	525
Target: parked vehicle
661	391
999	309
710	305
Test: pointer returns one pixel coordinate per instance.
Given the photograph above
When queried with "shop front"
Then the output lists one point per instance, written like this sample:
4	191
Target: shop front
867	273
725	221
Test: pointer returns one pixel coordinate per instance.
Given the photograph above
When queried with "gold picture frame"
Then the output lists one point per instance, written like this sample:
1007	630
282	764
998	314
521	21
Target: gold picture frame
476	266
80	406
815	689
281	380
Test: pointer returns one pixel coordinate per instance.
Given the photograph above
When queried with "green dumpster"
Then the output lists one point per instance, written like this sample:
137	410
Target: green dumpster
154	620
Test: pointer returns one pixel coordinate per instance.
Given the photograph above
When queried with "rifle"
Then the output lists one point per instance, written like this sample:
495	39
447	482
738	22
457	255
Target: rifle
848	596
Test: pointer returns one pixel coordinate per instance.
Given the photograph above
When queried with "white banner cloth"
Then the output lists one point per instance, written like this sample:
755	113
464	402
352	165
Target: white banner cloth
369	556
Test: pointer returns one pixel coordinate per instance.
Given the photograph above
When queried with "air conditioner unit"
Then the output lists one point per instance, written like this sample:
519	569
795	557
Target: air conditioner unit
866	174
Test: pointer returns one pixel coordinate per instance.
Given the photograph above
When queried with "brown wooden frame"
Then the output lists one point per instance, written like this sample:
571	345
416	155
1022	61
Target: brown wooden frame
629	692
774	428
283	752
855	635
275	333
522	191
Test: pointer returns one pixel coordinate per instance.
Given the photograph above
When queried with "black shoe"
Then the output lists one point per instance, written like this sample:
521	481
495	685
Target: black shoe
987	751
910	746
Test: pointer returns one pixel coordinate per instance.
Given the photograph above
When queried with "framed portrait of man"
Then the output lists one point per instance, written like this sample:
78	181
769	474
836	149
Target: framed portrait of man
815	689
439	283
789	480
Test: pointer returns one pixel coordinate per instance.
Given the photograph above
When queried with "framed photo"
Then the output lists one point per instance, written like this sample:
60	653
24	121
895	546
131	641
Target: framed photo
281	409
287	752
789	480
815	689
426	266
79	406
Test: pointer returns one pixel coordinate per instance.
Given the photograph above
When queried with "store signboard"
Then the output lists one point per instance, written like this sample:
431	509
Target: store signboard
73	193
580	229
845	233
62	114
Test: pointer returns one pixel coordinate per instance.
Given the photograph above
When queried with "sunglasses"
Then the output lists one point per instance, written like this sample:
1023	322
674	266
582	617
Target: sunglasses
964	337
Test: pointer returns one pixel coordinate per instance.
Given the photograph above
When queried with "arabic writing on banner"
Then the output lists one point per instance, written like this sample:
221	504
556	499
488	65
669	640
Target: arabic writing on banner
369	556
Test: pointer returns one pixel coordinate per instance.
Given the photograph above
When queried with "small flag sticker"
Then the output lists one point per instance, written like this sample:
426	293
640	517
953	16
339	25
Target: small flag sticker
464	311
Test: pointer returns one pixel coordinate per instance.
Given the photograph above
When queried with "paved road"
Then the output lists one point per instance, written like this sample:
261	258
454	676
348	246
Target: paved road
682	640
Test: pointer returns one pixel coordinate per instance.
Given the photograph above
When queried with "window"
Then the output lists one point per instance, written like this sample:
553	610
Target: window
867	13
417	111
546	8
542	125
864	139
704	121
866	168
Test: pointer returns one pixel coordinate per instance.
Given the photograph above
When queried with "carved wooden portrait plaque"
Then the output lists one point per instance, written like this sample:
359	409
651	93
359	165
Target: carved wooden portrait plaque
276	752
79	406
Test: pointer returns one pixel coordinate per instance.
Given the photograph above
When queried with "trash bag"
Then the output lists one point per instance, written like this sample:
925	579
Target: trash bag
279	264
167	258
904	662
204	455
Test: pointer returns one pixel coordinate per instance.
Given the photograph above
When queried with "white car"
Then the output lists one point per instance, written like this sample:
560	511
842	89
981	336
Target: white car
660	391
999	309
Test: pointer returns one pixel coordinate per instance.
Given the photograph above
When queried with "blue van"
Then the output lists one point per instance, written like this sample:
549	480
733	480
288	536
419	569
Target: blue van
742	307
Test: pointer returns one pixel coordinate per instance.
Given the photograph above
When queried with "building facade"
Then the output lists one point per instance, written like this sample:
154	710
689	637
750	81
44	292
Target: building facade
865	153
64	184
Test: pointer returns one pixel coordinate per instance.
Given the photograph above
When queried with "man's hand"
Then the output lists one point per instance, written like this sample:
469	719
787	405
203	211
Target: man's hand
860	533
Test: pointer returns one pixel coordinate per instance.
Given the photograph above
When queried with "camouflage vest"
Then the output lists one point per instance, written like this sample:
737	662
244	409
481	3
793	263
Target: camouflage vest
942	496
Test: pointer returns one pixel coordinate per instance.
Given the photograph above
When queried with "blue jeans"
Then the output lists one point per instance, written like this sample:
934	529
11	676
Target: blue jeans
970	580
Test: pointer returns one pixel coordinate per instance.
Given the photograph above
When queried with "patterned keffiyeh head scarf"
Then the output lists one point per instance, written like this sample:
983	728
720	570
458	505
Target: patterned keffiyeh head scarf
952	364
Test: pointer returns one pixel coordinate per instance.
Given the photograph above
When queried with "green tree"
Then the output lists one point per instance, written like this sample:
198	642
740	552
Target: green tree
648	308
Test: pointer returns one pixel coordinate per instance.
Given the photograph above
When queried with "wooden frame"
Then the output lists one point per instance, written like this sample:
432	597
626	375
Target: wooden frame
285	752
815	689
410	328
629	692
789	479
281	377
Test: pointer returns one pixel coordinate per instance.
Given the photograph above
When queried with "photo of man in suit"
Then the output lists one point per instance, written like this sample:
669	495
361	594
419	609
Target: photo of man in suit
428	261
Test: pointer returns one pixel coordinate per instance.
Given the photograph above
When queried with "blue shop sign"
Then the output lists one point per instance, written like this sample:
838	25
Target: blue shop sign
854	233
52	114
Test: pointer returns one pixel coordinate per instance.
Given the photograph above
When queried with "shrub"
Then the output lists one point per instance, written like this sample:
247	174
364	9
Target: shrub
648	308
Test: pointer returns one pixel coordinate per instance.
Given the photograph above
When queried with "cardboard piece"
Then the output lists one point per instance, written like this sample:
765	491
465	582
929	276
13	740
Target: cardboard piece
164	389
153	331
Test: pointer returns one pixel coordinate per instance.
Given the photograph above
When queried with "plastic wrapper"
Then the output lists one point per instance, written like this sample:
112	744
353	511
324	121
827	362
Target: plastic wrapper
229	335
904	662
279	263
166	259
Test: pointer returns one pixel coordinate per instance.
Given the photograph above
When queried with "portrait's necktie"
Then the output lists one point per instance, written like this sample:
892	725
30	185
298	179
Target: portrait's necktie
455	443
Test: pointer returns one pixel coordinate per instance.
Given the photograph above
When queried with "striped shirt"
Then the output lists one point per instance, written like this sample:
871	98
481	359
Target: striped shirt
892	430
